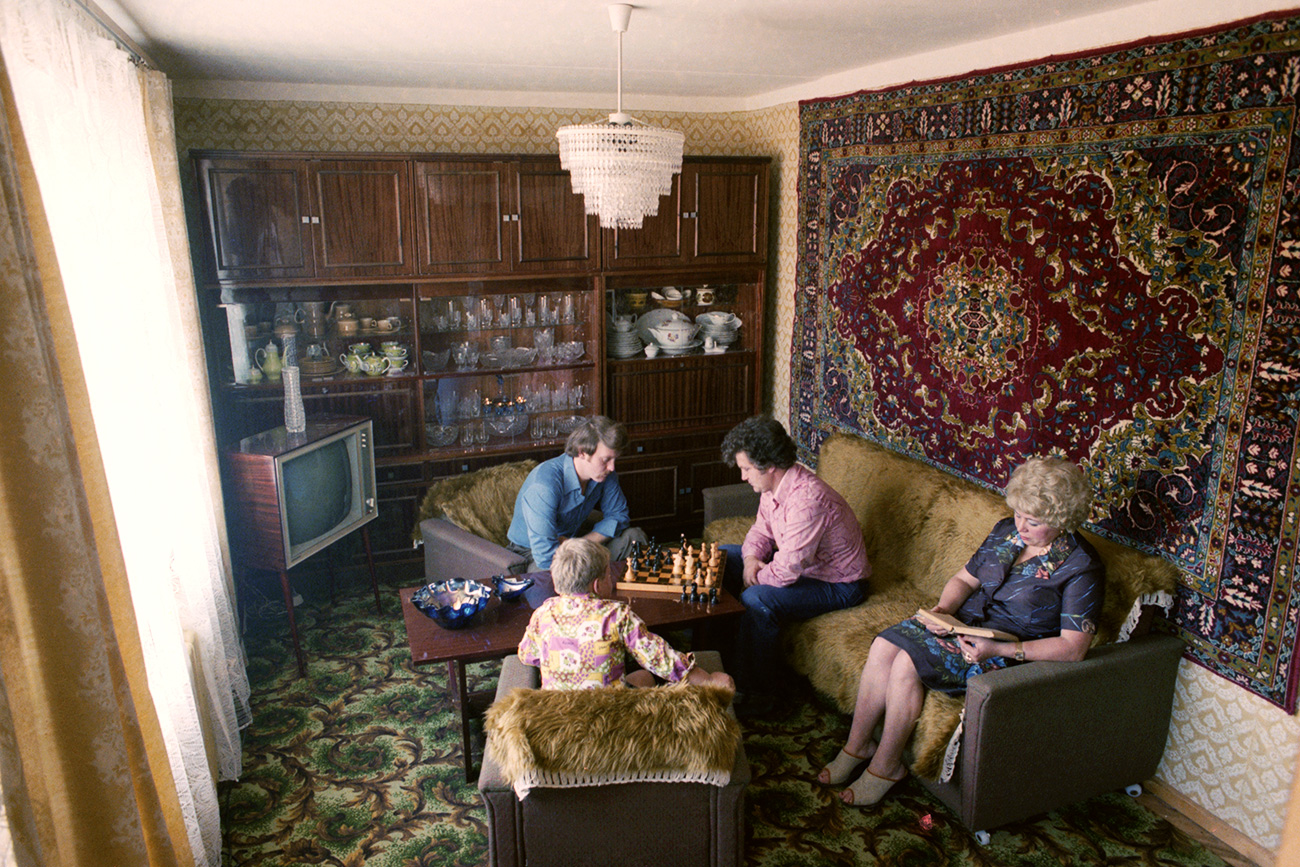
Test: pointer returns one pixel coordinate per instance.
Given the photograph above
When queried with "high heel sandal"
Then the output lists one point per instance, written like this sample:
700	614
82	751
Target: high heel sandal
868	789
840	768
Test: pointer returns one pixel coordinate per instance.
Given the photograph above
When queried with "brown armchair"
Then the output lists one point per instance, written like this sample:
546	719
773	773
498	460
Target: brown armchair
463	522
627	823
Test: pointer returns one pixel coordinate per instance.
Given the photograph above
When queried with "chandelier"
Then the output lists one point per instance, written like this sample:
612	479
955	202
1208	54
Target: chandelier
622	167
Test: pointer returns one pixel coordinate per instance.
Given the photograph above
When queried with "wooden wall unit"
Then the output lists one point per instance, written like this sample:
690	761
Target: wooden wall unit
446	247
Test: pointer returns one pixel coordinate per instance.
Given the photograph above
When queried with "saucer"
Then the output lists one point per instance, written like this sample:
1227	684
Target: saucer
680	350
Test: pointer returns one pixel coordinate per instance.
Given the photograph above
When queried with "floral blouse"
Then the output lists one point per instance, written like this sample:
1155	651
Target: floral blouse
582	642
1062	589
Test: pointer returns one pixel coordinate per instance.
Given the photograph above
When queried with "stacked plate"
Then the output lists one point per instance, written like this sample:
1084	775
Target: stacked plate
623	344
722	327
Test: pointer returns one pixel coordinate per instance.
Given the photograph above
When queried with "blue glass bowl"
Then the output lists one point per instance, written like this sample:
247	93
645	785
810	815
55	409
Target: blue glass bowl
511	587
452	604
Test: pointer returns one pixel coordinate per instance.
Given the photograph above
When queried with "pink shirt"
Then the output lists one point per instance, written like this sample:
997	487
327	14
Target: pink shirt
806	530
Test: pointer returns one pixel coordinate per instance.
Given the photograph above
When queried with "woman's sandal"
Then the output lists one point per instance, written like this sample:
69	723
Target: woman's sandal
868	789
840	768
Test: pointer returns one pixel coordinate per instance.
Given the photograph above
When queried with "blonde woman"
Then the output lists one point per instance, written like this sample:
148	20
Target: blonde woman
1034	577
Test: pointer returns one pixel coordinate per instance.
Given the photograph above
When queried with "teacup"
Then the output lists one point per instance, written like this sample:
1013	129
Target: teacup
362	349
394	322
368	323
388	347
395	365
352	362
383	325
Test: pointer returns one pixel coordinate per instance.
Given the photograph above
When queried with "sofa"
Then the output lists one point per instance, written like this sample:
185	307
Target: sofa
625	820
1026	739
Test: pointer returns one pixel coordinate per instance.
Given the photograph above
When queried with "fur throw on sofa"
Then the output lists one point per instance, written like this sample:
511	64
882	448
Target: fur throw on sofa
681	732
481	502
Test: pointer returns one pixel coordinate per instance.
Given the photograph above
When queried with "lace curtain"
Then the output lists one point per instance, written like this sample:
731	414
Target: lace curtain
101	142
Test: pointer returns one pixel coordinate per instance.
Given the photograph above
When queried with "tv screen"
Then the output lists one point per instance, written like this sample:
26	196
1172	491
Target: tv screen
317	491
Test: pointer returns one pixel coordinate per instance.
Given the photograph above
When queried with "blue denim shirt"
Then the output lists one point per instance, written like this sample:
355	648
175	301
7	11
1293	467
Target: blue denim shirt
551	504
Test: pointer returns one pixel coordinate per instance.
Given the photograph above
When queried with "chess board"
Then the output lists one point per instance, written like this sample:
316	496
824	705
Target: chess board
662	580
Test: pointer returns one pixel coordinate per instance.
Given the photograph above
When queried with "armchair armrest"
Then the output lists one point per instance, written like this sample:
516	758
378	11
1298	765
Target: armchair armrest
450	552
1043	735
727	501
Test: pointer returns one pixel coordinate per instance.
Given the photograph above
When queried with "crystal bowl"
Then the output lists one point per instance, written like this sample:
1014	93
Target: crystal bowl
440	435
569	351
452	604
565	424
435	360
511	587
511	425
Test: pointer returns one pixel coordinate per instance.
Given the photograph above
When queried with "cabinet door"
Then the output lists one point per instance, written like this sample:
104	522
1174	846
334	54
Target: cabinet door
361	220
551	229
461	215
727	208
658	241
258	218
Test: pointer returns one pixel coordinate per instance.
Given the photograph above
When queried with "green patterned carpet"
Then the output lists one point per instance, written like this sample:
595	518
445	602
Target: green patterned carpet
360	764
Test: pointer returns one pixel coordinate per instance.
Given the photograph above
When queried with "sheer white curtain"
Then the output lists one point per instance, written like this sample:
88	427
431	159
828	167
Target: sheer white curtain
99	132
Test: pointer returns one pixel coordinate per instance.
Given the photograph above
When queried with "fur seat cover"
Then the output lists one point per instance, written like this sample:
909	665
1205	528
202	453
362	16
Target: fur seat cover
615	732
481	502
920	526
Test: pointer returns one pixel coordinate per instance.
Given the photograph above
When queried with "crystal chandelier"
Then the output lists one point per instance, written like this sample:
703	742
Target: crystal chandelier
622	167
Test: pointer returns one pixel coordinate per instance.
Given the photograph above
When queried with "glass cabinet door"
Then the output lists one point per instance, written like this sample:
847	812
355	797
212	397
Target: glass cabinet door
337	339
507	368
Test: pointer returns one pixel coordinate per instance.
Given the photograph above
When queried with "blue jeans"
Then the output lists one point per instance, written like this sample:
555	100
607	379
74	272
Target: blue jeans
756	654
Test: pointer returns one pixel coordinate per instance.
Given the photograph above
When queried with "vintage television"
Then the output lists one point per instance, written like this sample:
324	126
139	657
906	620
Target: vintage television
289	495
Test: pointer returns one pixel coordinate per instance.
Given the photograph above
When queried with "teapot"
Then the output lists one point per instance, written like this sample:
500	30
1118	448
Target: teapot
341	310
268	361
674	335
351	361
374	365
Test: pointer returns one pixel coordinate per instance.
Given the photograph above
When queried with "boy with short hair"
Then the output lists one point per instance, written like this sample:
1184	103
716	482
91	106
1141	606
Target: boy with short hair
581	641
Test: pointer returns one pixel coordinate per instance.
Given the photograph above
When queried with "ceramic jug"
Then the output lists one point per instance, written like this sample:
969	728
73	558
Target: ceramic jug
268	360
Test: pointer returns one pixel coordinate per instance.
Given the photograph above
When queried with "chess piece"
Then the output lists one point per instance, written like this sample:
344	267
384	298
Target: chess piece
630	576
713	595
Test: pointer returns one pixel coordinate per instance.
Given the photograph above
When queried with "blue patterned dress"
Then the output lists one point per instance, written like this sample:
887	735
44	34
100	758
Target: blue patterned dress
1062	589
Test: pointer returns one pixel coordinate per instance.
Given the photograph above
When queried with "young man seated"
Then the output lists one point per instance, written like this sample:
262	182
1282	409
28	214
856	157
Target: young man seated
560	495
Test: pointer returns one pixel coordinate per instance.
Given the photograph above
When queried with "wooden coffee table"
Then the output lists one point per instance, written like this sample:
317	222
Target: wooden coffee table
503	624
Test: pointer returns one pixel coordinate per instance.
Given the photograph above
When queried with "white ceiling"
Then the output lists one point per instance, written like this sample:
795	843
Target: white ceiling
677	54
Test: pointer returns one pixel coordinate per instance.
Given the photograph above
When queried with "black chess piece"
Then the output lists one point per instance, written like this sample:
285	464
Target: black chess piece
685	595
713	595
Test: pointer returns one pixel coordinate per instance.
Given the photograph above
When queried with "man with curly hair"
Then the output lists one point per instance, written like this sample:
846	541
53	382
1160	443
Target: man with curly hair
804	555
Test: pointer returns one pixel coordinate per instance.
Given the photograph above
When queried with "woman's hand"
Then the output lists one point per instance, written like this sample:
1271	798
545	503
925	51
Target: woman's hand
975	649
936	628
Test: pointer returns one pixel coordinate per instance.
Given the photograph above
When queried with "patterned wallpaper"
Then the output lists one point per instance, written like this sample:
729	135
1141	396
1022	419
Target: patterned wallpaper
1229	752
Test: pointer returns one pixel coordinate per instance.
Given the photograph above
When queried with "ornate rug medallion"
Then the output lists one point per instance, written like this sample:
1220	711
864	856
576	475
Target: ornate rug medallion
1092	257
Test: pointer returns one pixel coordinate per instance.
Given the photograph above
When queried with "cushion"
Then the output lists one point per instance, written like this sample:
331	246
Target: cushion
729	531
481	502
680	732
